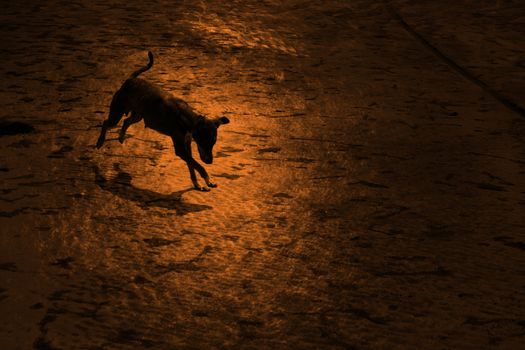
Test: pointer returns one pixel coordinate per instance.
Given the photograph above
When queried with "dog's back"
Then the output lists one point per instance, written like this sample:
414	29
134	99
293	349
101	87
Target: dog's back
138	95
160	110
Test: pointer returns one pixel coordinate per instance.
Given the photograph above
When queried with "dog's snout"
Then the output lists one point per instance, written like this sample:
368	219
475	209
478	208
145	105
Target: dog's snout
206	156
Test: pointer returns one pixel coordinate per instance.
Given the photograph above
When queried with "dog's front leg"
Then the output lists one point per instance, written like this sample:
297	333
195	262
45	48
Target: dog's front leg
190	162
183	150
193	176
200	168
203	173
209	183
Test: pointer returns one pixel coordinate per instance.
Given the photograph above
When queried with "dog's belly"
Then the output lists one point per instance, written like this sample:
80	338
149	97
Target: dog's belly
159	124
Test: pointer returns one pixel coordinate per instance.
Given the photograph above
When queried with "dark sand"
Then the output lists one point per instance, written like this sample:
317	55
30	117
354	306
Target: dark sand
370	196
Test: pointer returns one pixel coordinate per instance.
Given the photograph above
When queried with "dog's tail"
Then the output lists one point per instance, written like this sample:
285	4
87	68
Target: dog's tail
143	69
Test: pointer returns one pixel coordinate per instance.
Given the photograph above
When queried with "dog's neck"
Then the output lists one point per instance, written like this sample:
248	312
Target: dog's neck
190	133
190	123
196	123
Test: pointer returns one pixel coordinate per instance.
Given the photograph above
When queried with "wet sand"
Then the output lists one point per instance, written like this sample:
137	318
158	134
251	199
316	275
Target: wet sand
370	196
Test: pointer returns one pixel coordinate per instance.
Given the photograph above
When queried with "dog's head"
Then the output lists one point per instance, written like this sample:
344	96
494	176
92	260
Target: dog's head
205	135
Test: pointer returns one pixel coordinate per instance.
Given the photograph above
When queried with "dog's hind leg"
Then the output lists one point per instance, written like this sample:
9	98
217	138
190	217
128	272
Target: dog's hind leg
116	111
134	118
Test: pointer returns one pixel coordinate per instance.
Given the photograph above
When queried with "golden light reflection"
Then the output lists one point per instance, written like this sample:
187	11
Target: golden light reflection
234	33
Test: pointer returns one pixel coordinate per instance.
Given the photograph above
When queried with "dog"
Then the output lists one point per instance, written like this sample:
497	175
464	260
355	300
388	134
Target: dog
168	115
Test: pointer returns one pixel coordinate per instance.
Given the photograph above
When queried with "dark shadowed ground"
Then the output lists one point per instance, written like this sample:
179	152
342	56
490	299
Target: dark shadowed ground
370	195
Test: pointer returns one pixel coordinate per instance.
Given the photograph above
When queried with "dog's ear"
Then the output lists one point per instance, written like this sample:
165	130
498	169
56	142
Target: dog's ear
221	120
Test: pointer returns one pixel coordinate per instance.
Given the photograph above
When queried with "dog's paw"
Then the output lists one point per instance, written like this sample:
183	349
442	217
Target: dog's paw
209	183
202	188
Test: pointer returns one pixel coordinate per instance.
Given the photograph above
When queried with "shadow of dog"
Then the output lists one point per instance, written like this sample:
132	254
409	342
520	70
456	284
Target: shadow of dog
120	185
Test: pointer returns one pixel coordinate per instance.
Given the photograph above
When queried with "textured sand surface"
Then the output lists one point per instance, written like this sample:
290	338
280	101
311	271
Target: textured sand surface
370	197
